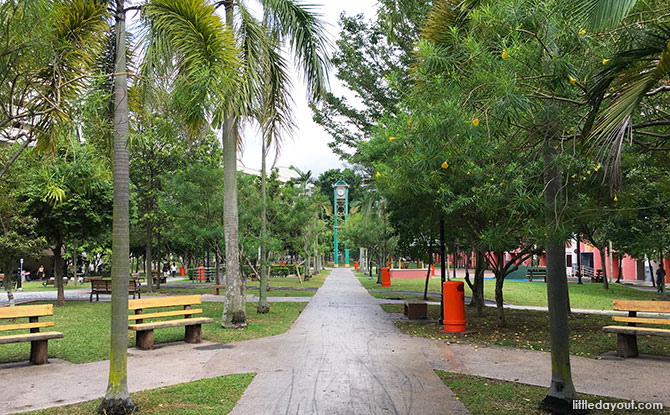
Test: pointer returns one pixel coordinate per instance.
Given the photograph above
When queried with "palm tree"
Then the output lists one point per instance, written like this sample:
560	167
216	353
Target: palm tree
264	98
191	36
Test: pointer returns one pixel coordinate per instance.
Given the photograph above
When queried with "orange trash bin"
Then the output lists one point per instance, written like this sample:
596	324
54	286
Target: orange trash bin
432	270
386	277
181	271
201	273
356	265
454	306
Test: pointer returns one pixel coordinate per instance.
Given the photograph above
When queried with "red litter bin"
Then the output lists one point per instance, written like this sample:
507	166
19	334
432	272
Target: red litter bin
181	271
454	306
356	265
201	273
432	270
386	277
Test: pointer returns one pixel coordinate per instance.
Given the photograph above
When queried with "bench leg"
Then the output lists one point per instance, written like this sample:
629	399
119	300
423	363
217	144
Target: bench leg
193	334
405	309
90	299
144	340
38	352
627	345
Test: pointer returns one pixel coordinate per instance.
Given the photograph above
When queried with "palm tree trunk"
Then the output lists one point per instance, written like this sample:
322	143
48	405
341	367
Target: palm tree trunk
263	305
561	392
117	400
234	313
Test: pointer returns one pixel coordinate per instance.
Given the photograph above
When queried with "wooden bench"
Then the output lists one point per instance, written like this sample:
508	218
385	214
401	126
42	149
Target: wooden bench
163	279
217	288
536	273
598	277
38	340
627	335
145	331
104	286
52	281
416	309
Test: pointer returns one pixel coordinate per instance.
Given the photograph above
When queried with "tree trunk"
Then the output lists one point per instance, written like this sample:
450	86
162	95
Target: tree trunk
74	260
561	391
158	261
430	262
117	400
263	305
58	272
217	251
478	292
603	261
7	282
234	313
148	260
500	279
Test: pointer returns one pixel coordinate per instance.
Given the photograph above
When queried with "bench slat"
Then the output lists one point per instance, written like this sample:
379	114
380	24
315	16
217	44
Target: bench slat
165	314
642	306
170	323
637	330
30	337
27	311
22	326
646	320
163	302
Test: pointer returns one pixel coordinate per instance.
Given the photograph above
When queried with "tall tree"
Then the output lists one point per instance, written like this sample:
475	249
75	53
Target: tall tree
193	36
299	26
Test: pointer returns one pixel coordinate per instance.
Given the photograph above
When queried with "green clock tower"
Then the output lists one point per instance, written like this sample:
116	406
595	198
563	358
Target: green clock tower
341	208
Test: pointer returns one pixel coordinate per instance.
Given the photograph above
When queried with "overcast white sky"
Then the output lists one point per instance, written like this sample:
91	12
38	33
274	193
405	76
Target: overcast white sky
308	148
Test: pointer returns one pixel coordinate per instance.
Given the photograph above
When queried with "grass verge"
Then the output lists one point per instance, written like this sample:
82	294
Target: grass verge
483	396
529	330
212	396
86	330
585	296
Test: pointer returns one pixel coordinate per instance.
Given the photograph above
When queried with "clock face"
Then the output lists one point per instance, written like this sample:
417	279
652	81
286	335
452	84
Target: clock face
340	192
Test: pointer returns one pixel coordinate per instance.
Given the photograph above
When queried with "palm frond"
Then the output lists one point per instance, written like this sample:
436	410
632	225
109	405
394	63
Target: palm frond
204	51
302	27
78	36
636	74
599	14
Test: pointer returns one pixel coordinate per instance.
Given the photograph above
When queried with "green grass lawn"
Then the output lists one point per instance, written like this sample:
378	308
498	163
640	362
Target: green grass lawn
483	396
587	295
87	330
529	330
285	287
212	396
32	286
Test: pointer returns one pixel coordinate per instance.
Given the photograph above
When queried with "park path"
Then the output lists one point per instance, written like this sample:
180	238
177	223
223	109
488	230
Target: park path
344	356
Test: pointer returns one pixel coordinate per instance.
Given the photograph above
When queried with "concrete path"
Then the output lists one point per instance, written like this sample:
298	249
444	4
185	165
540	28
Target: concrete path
343	355
636	379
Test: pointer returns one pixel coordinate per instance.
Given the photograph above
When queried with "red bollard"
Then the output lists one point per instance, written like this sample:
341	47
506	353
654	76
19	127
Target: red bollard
454	306
386	277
